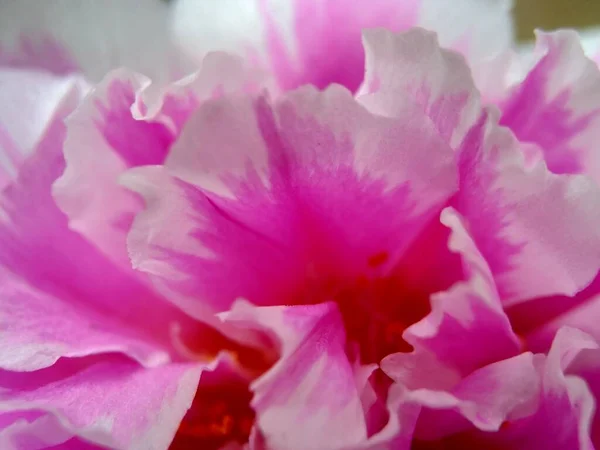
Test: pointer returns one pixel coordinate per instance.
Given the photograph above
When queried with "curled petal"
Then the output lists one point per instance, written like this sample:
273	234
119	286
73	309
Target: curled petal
527	220
557	107
565	404
555	396
488	397
467	327
103	140
128	121
413	64
312	385
398	431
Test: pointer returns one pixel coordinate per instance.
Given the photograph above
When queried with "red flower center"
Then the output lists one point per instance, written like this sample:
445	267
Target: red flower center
219	414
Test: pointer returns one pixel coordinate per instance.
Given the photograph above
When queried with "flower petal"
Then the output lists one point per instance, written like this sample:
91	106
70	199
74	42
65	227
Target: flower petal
557	105
312	385
313	181
37	328
413	64
127	122
398	431
486	399
565	404
107	400
584	362
61	296
103	140
467	328
527	220
35	430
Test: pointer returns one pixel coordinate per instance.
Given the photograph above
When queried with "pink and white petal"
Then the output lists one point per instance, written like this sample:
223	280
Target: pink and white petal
557	105
312	385
397	433
584	317
99	36
37	328
413	64
564	390
313	180
108	400
565	404
586	364
128	121
53	277
505	390
103	140
29	101
420	369
219	74
155	235
467	328
495	75
527	220
477	28
31	430
538	319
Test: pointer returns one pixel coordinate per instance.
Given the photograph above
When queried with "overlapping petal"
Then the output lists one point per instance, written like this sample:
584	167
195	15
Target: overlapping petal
315	390
336	267
128	121
526	219
467	328
61	296
273	207
413	64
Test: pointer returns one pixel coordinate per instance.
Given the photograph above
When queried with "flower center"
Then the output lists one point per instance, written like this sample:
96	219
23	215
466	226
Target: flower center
218	415
376	308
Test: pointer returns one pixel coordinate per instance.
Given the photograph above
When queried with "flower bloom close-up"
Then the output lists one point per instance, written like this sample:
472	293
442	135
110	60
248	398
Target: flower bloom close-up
320	225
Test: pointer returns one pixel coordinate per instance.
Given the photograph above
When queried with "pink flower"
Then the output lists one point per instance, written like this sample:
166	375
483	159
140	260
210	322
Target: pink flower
392	266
